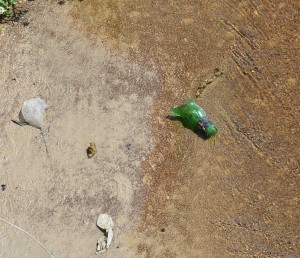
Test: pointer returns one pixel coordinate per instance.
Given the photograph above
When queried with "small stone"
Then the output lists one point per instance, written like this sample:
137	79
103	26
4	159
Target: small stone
91	150
3	187
209	81
218	72
25	23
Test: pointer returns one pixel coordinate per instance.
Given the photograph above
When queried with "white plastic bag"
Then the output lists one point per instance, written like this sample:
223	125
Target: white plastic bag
32	112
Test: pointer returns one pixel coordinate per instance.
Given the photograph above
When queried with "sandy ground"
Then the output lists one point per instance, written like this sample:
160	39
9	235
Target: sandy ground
109	72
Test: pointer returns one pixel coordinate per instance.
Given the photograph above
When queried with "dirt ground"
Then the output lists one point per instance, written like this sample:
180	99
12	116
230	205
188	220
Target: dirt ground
109	72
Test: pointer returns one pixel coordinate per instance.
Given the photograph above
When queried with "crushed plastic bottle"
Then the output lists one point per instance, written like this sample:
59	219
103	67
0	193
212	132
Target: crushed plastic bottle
194	117
32	112
106	223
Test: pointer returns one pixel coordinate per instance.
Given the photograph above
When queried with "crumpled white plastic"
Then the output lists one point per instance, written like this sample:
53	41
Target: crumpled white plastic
105	222
32	112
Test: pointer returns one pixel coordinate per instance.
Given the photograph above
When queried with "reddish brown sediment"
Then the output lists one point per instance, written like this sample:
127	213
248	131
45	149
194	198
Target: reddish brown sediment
215	195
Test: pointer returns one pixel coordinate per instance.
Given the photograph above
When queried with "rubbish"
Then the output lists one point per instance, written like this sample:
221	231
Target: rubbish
106	223
194	117
101	245
91	150
32	112
110	235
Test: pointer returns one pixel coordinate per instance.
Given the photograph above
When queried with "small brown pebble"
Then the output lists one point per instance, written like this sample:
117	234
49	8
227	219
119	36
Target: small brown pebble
3	187
163	230
91	150
218	72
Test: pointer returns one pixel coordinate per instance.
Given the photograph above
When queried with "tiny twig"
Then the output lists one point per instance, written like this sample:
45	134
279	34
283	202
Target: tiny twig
28	235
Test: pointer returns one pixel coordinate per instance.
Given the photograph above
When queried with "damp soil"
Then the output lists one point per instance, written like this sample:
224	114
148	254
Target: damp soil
234	195
122	65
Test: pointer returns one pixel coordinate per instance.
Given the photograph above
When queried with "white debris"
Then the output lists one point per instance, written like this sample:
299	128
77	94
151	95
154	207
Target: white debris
110	235
32	112
101	245
105	222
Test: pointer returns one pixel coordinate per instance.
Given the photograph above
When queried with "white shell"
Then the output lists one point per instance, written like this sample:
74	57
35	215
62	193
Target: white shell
105	222
32	112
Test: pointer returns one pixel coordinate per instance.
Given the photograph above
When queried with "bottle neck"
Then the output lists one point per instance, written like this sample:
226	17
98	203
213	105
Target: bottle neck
204	122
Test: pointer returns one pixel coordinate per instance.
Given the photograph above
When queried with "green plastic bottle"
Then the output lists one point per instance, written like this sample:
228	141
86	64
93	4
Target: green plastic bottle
194	117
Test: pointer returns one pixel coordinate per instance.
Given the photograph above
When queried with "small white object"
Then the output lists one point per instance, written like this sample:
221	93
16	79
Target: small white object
2	10
32	112
101	245
110	235
105	222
